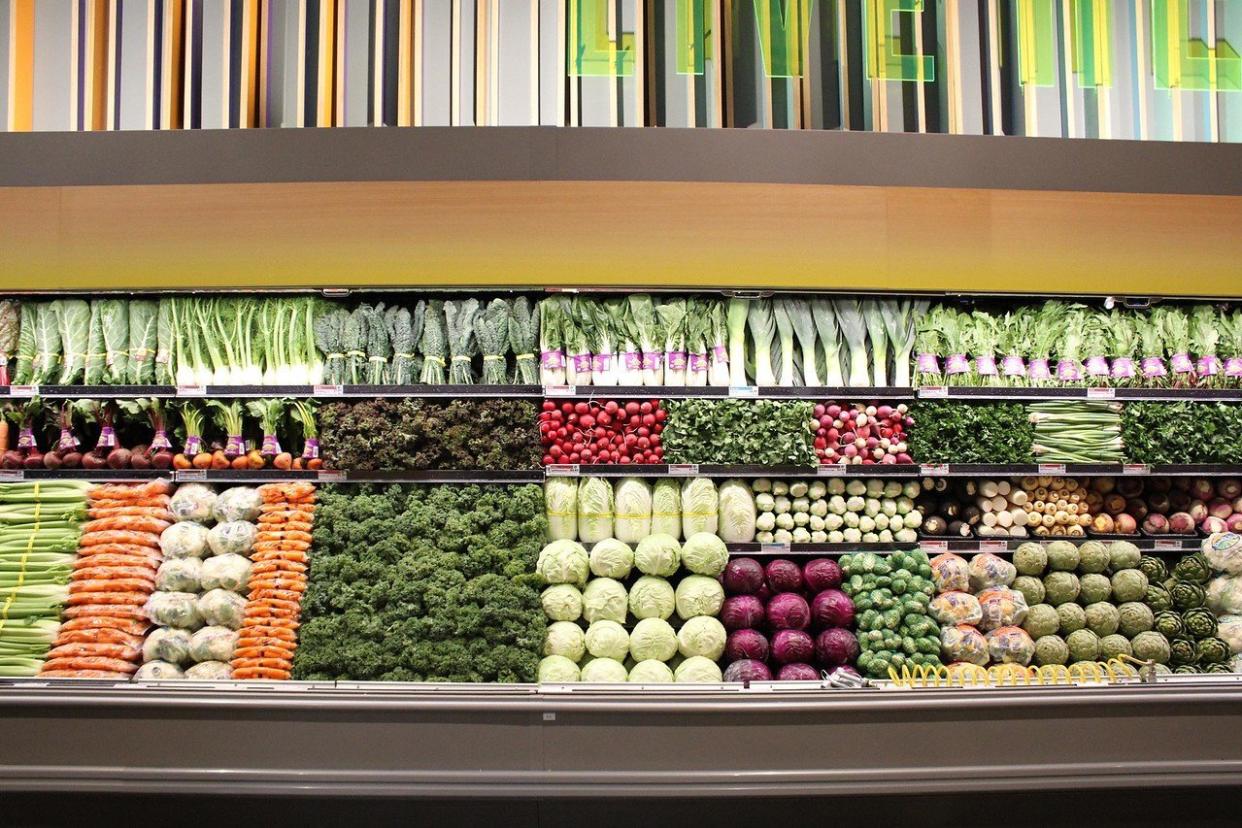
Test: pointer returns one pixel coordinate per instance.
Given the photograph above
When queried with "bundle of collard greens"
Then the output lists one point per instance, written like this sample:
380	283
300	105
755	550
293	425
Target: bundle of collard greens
143	341
10	328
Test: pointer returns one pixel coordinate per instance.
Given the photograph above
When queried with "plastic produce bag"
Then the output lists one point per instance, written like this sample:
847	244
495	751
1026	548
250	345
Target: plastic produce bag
963	643
1010	645
158	671
179	575
956	608
237	503
1224	595
950	573
174	609
184	540
230	572
1224	552
210	671
222	608
988	570
192	501
233	537
168	645
213	644
1002	607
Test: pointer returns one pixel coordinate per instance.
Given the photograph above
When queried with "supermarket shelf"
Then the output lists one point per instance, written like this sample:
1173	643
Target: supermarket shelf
232	476
528	741
936	545
894	470
587	392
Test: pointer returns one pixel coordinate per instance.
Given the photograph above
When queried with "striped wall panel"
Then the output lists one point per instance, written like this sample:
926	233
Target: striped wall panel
1139	69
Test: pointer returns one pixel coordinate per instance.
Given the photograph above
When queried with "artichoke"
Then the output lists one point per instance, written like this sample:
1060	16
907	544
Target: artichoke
1212	651
1194	568
1200	622
1169	624
1158	598
1182	651
1153	568
1186	595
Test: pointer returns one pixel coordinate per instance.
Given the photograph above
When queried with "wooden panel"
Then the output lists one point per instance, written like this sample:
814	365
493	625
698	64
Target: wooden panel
658	234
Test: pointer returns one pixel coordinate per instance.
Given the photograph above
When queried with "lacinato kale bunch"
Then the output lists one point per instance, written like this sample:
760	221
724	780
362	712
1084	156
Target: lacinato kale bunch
424	583
954	432
763	432
396	434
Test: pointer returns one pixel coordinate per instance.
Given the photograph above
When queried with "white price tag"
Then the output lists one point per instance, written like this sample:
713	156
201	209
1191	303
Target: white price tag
12	474
23	390
187	475
934	547
934	469
560	390
1052	468
993	546
773	548
1167	545
191	390
327	390
831	470
331	477
1136	468
1101	393
933	392
562	470
743	390
683	469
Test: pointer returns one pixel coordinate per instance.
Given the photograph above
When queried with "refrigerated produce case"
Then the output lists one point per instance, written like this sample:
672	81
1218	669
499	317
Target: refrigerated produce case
1128	728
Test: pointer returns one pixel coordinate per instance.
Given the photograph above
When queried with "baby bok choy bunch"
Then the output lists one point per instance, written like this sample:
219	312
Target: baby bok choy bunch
1076	431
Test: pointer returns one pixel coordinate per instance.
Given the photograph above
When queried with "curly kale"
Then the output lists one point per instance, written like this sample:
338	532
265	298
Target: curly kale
424	583
397	434
953	432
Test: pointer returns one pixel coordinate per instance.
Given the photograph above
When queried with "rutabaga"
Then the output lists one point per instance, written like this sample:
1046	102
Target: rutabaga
632	500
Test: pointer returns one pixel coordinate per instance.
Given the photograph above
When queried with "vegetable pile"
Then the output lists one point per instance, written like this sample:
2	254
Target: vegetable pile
1182	432
1019	507
786	621
762	432
602	431
388	434
113	580
892	595
956	432
1186	600
1085	603
267	640
1059	344
1075	431
855	433
199	603
424	583
39	529
836	511
644	614
629	509
1169	505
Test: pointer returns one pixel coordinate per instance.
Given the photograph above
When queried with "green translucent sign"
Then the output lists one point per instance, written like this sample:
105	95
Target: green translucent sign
1091	47
694	42
783	27
1182	62
882	35
591	51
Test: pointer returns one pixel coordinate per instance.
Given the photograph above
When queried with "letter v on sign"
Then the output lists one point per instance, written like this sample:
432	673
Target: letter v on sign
783	27
591	51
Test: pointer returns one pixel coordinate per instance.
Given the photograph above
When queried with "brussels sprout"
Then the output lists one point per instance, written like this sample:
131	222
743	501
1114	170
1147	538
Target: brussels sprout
1071	617
1031	588
1094	587
1114	645
1030	559
1093	556
1042	620
1133	618
1084	645
1129	585
1060	587
1123	555
1102	618
1063	556
1050	649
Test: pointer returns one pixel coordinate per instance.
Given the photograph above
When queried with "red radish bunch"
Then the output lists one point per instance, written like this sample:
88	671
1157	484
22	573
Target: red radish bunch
853	433
601	431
